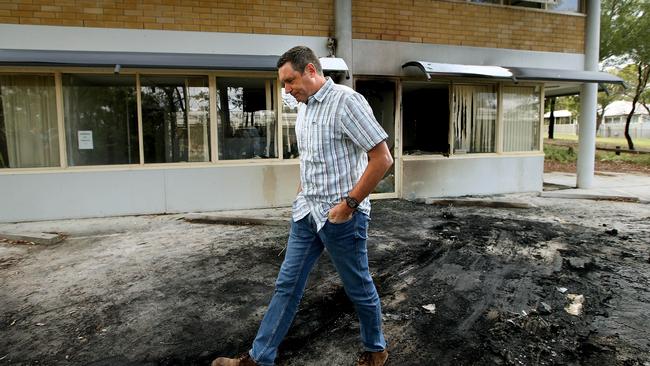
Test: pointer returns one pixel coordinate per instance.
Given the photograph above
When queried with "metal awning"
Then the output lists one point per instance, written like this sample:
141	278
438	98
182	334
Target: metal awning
334	65
137	60
513	73
437	69
539	74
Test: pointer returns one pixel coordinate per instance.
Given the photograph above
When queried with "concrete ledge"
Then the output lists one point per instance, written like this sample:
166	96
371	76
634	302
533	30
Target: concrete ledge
235	219
585	196
35	238
478	203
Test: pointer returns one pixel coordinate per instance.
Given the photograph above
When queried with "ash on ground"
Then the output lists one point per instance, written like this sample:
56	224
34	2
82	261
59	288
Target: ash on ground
565	283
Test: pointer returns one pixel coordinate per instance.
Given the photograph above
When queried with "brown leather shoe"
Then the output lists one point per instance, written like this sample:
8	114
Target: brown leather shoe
243	360
373	358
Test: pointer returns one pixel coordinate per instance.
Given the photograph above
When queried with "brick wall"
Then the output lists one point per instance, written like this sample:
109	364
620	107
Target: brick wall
421	21
287	17
466	24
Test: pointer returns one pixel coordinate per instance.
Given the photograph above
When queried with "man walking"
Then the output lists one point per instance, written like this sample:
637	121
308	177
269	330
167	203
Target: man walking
343	155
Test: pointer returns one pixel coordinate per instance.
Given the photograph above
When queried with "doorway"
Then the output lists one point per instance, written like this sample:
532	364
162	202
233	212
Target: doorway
381	95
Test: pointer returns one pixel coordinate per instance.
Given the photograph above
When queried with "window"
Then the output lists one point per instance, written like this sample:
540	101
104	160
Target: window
175	118
247	120
29	135
474	114
526	4
555	5
432	112
521	118
564	5
101	119
425	116
108	121
289	116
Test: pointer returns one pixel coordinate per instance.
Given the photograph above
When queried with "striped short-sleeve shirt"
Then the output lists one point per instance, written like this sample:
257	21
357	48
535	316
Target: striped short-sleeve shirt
335	129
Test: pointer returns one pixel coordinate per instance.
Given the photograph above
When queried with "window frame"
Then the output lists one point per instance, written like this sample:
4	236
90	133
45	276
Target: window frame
58	72
497	121
58	115
274	96
581	7
540	113
59	75
499	132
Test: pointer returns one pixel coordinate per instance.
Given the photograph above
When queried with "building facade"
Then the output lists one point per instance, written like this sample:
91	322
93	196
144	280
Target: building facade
163	106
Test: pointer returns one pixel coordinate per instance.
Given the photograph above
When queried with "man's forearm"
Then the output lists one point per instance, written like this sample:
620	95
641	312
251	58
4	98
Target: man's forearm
379	161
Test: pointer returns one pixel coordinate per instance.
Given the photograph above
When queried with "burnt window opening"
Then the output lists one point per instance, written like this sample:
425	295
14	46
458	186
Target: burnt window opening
425	118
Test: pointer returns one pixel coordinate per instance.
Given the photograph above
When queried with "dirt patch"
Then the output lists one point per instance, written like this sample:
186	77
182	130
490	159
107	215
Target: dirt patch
600	166
495	283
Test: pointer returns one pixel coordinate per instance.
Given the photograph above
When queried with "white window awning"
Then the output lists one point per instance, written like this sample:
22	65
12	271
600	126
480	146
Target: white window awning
457	70
531	73
514	73
334	65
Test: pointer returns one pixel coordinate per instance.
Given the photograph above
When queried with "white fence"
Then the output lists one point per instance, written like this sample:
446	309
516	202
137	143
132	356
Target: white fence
637	130
563	129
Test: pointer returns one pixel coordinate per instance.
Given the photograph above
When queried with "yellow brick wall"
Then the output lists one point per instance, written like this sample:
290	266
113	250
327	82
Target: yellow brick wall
287	17
421	21
465	24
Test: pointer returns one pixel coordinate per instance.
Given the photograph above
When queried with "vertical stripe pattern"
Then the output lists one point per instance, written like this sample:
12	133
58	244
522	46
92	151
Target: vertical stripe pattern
335	129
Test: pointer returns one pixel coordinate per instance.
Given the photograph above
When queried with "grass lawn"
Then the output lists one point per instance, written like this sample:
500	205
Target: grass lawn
610	141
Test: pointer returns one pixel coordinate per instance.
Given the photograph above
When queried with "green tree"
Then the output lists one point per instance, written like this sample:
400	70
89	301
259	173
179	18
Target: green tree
625	36
645	99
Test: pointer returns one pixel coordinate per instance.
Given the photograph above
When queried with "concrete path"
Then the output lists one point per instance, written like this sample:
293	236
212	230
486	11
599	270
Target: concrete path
615	186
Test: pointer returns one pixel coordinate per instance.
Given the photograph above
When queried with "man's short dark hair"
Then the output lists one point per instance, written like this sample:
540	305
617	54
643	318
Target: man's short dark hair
300	57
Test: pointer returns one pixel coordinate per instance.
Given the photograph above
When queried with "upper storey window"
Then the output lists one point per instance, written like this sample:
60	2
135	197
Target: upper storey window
572	6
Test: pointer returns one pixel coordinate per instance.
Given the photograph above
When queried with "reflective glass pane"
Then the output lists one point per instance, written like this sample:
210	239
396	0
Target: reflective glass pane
29	135
247	119
175	118
289	116
565	5
101	120
520	119
537	4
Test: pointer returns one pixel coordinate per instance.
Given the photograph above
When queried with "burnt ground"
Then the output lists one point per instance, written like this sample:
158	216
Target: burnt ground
156	290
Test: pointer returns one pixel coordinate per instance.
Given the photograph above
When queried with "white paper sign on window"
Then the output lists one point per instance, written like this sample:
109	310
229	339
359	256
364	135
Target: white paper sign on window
85	139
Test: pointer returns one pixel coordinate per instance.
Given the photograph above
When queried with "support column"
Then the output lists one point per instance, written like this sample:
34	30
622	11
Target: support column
343	16
589	100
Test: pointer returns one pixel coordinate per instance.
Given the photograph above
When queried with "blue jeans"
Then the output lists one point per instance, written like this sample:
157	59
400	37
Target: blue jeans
346	244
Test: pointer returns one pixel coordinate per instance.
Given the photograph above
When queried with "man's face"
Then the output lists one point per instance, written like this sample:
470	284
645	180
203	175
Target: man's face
298	84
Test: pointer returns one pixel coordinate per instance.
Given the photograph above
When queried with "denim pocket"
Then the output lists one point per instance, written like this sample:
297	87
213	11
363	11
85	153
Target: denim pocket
361	226
351	219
